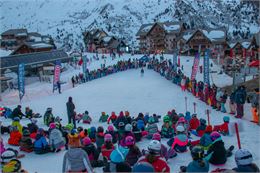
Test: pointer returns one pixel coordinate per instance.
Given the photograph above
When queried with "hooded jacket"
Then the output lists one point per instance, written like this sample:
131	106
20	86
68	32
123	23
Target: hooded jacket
76	160
217	153
15	137
56	139
195	166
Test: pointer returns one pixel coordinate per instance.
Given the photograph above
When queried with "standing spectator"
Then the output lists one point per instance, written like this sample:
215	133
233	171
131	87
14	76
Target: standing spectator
232	104
70	110
73	81
255	106
59	86
240	99
77	79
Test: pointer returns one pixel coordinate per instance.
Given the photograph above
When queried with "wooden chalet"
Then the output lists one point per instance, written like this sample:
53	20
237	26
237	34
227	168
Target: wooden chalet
93	39
30	47
13	37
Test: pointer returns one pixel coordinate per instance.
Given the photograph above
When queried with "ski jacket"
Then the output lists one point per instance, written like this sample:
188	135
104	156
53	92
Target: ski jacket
194	123
133	155
103	118
205	140
100	139
32	127
15	137
76	160
152	129
247	168
40	142
112	118
195	166
240	96
167	132
217	153
92	152
159	165
18	125
180	142
106	152
56	139
26	144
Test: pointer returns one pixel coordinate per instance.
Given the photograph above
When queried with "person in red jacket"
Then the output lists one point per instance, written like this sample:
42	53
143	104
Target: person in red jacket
153	157
15	136
194	122
223	128
107	147
112	117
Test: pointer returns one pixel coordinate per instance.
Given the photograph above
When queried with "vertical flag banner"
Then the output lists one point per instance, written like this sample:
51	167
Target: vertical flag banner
195	66
56	76
21	81
174	60
206	67
84	66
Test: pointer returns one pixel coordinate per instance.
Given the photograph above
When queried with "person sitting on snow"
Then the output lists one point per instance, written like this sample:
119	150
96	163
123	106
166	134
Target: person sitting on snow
244	161
112	118
199	164
107	147
157	137
223	128
100	137
16	122
127	132
92	152
41	145
194	122
26	143
103	118
29	113
217	153
15	136
56	139
120	118
110	130
92	133
137	132
32	127
48	117
86	118
134	152
201	129
167	131
17	112
151	128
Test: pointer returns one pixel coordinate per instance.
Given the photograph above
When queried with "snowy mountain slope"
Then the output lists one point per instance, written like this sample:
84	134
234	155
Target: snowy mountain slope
65	20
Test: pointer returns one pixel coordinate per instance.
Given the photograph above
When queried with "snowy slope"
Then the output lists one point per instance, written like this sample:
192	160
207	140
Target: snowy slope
128	91
65	20
125	91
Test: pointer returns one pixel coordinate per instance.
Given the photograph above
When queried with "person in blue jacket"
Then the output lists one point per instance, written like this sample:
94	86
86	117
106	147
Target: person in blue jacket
199	164
41	145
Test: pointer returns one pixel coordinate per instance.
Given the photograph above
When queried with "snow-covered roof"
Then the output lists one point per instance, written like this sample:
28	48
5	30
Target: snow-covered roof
41	45
5	52
214	34
187	36
107	38
231	45
14	31
172	26
21	34
246	44
147	28
144	29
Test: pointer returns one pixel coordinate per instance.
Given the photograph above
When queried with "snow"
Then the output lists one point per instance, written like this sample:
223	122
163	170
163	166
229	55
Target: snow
36	39
170	28
124	91
215	34
41	45
147	28
107	39
246	44
187	36
5	52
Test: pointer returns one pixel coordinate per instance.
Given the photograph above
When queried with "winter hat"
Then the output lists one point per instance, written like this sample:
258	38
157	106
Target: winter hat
73	131
151	120
110	128
209	128
69	126
243	157
103	113
86	141
108	138
16	119
194	115
49	109
58	119
128	128
34	120
93	129
129	141
197	153
169	113
154	147
215	135
100	129
203	121
143	167
121	113
166	119
121	124
74	140
180	128
26	132
181	115
181	120
13	165
80	128
119	154
156	136
226	119
52	125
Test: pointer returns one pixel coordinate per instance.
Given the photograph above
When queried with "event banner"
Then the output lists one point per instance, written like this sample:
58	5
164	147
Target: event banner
195	66
21	87
56	76
206	67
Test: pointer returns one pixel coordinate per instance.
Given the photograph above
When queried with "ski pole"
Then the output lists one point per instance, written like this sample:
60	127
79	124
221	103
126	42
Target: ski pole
238	138
194	105
186	103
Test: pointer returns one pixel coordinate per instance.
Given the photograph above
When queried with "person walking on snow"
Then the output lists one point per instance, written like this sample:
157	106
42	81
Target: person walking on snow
142	72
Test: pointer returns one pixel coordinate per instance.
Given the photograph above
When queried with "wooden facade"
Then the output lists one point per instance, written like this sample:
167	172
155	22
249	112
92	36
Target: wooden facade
156	38
197	40
30	48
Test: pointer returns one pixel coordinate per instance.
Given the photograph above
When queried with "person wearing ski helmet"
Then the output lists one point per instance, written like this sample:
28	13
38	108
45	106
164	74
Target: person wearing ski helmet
223	128
100	138
108	146
180	141
153	157
128	132
201	129
199	164
134	152
151	128
26	143
244	161
110	130
184	123
167	130
164	150
91	150
120	118
217	153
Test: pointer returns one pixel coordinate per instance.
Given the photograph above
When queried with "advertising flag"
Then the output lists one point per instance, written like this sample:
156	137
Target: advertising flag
56	76
206	67
21	87
195	66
